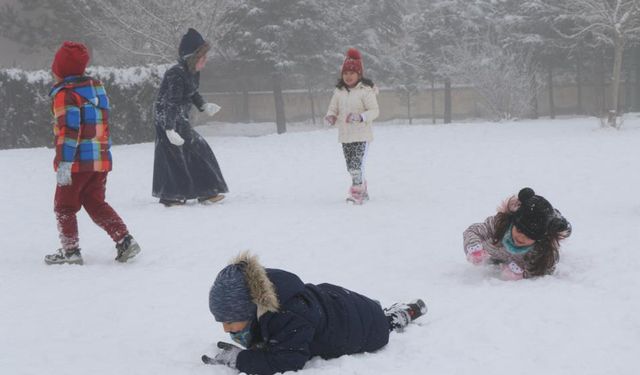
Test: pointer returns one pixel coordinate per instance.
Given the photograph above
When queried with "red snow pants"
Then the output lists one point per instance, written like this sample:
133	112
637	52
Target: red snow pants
86	190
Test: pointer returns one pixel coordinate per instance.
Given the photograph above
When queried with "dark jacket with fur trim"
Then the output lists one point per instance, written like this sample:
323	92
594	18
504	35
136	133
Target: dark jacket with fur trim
312	320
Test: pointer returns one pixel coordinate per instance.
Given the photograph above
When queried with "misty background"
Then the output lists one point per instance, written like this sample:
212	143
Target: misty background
278	60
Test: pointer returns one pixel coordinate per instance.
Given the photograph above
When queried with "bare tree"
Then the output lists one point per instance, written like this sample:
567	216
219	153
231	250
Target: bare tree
40	24
149	30
611	22
502	78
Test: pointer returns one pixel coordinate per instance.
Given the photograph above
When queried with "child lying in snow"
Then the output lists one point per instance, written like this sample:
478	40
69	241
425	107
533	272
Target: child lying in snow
283	322
523	237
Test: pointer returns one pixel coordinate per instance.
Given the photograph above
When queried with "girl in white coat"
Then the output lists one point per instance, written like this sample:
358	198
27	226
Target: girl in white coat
353	108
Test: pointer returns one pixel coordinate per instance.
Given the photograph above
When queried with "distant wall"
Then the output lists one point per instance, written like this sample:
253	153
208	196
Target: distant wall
466	103
25	114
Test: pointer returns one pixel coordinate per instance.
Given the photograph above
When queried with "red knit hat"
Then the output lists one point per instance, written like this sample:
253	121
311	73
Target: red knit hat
353	62
70	60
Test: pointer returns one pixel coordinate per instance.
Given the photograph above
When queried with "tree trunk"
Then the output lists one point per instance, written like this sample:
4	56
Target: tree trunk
311	102
433	100
603	85
241	114
552	105
245	114
579	108
281	122
628	90
409	107
447	101
615	89
637	90
534	92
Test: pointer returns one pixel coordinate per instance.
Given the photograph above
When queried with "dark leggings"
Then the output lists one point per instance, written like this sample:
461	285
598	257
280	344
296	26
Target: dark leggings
354	155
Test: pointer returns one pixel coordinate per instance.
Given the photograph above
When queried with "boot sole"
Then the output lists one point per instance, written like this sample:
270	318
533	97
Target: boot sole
50	263
169	203
354	201
215	199
421	308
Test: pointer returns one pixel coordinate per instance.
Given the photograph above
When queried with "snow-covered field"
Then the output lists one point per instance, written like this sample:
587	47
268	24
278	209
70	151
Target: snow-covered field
427	184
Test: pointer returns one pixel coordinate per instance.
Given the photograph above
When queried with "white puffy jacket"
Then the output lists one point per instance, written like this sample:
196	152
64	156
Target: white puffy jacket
361	100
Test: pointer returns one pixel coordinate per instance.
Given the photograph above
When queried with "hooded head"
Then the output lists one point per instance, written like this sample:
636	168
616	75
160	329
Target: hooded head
242	291
535	217
192	48
71	59
353	62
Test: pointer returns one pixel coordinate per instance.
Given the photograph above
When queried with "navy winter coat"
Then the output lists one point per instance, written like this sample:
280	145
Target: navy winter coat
313	320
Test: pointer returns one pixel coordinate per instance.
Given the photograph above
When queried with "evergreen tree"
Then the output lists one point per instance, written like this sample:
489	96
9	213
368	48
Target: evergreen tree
440	26
40	24
375	28
276	37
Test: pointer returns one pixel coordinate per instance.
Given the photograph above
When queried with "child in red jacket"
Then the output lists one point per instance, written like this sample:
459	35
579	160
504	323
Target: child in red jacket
83	160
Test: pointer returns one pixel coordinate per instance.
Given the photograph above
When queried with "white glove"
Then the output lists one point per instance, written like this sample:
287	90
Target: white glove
211	108
511	272
63	176
331	120
476	254
174	137
227	355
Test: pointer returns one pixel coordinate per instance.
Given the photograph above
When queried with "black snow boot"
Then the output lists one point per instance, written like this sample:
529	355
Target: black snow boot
401	314
127	249
70	256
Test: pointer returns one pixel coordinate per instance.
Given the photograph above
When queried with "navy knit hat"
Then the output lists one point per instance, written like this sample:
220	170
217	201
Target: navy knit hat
229	297
190	42
534	214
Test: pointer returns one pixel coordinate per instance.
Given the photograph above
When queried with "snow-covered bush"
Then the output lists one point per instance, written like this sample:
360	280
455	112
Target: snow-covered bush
26	119
502	79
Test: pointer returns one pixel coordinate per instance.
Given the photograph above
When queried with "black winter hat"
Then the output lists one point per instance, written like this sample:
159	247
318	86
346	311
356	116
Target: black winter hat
533	216
190	42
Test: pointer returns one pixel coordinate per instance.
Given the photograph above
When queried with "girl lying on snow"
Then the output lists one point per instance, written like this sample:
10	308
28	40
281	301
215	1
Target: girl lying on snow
283	322
523	238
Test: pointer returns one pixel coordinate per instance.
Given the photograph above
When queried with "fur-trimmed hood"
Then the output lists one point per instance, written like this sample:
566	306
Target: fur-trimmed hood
242	290
261	289
191	59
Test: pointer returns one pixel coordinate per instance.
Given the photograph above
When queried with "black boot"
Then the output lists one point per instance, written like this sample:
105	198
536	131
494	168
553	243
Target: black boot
401	314
70	256
127	249
173	202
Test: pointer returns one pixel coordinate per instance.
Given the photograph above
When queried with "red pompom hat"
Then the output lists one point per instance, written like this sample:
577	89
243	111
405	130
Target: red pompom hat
70	60
353	62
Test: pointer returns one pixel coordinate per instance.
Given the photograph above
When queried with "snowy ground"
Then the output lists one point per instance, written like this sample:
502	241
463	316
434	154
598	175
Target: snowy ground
427	184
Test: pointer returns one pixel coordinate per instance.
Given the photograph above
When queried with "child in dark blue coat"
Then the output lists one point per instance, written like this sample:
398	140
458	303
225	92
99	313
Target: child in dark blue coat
184	165
283	322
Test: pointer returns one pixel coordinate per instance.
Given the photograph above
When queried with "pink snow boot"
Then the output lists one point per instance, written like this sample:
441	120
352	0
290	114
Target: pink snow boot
365	194
357	194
